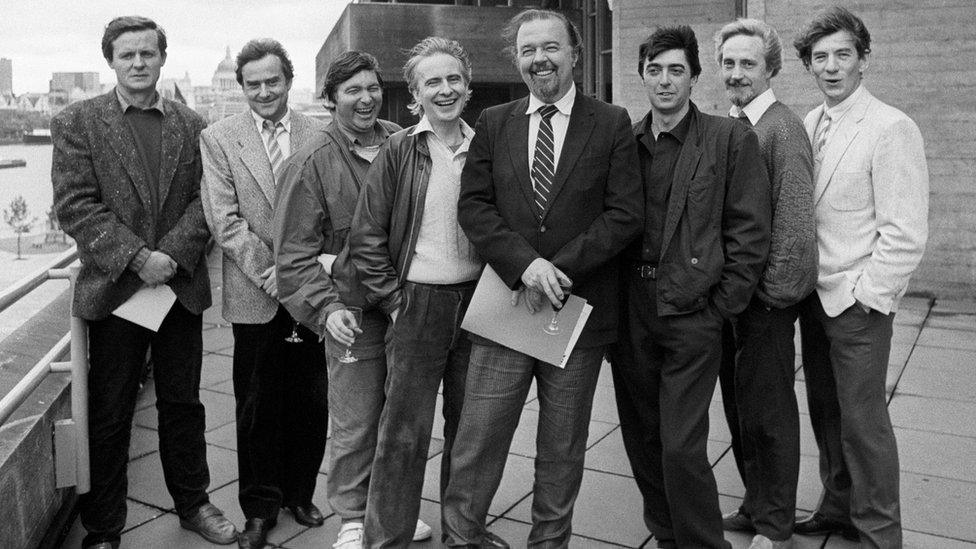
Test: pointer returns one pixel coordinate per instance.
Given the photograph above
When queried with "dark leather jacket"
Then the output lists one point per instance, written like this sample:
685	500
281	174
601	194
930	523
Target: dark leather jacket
388	216
717	225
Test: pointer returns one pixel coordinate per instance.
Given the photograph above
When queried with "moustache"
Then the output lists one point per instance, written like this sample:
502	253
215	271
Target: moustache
543	66
737	82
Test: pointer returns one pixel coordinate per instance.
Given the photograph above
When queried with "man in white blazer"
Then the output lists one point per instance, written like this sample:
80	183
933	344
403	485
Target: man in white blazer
280	383
871	203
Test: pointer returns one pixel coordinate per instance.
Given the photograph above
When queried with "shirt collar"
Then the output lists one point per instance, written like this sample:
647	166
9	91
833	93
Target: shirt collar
756	108
837	111
565	104
157	104
285	120
466	131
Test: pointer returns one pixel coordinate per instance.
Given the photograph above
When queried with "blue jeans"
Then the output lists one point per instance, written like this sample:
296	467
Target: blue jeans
426	347
498	382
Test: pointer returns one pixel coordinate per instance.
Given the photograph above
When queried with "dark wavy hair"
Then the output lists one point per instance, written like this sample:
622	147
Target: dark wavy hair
129	23
345	66
679	37
510	30
831	20
259	48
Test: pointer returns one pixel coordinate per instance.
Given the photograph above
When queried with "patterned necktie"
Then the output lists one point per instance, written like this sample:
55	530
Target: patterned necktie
272	130
820	140
543	164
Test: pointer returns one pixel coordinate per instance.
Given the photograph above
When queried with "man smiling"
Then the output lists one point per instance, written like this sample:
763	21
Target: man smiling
549	195
705	242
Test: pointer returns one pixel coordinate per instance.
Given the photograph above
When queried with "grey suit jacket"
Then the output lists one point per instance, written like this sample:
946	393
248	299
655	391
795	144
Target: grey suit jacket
871	200
238	194
103	198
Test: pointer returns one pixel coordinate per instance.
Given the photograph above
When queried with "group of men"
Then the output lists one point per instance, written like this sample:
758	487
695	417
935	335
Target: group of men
351	252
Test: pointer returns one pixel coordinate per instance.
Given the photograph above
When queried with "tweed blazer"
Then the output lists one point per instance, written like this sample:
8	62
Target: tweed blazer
871	197
103	199
238	192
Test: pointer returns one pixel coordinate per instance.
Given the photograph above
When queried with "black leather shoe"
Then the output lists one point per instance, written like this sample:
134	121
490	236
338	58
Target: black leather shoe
491	541
255	534
817	524
307	515
211	524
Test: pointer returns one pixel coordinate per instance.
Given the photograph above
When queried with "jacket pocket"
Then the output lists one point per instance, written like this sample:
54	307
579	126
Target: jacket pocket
850	191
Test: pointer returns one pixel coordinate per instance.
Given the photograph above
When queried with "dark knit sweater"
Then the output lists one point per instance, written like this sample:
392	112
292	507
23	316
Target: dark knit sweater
791	273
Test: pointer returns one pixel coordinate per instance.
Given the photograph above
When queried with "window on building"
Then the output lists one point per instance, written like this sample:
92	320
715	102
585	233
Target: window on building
597	50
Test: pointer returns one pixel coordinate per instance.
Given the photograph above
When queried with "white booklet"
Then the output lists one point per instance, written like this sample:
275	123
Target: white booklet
491	315
147	307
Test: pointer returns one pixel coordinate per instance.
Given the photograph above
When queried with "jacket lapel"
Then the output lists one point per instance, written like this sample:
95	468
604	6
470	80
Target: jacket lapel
577	135
170	149
684	172
254	156
121	140
838	144
517	131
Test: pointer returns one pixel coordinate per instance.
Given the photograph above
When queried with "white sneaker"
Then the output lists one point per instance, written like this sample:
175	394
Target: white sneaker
762	542
350	536
422	532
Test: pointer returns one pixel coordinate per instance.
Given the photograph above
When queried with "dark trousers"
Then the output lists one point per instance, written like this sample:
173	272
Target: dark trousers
664	373
845	361
426	347
282	414
117	356
499	379
757	378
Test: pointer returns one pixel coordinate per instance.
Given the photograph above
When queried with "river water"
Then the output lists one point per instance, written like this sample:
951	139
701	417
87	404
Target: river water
32	181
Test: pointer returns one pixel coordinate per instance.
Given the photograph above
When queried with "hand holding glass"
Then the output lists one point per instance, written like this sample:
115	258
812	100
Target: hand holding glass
553	327
353	321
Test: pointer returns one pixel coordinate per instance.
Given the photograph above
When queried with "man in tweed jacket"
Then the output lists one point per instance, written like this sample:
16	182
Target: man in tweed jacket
126	174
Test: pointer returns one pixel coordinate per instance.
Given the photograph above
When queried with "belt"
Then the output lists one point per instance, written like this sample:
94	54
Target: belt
646	270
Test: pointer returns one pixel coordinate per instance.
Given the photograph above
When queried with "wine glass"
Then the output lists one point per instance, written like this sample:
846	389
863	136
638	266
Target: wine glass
357	319
293	338
553	327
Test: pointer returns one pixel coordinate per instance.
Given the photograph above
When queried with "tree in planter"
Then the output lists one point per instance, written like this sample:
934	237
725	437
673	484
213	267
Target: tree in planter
19	219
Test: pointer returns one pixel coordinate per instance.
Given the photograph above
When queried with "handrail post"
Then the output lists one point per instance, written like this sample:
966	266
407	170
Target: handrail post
79	392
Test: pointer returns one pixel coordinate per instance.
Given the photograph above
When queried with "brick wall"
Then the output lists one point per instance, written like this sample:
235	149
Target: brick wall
919	65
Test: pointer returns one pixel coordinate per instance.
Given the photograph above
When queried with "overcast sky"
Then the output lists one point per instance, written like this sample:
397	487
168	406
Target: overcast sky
45	36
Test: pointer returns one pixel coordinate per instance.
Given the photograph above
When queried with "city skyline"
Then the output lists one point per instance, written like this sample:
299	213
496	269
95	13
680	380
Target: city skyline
67	38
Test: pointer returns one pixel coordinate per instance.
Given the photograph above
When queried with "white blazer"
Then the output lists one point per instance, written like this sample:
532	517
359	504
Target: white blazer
871	199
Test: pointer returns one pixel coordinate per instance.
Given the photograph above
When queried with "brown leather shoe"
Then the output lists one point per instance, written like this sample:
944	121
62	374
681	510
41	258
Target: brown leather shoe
817	524
211	524
307	515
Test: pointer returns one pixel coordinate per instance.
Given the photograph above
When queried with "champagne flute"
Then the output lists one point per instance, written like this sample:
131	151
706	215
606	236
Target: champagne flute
293	338
553	327
357	320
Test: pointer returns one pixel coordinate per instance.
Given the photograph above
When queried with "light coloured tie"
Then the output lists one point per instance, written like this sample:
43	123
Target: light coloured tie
543	165
272	130
820	140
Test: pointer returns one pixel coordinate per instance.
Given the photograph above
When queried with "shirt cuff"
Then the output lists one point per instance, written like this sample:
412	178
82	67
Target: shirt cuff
139	260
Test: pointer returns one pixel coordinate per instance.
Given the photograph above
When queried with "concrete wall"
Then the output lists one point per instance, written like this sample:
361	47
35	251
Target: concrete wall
919	65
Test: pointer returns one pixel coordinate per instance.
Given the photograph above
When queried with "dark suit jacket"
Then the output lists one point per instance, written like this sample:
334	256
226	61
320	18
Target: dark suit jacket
595	209
717	224
102	197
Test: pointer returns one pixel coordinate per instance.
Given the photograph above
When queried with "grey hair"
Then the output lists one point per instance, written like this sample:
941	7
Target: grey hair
772	47
430	46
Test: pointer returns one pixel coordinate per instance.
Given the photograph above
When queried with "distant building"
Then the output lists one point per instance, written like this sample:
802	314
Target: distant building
6	76
178	89
223	97
71	87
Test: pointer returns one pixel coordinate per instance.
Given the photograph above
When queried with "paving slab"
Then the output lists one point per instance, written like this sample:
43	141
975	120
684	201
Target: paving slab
952	321
142	442
938	506
517	534
910	317
224	436
609	507
918	540
915	303
936	454
947	339
954	306
325	535
216	369
905	333
941	373
226	387
146	484
219	339
515	486
931	414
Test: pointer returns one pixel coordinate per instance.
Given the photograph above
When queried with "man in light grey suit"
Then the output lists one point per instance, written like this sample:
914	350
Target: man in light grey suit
280	379
871	204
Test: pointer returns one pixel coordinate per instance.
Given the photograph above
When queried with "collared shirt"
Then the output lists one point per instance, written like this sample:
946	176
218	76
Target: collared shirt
360	162
157	105
658	159
560	123
838	111
283	138
443	254
756	108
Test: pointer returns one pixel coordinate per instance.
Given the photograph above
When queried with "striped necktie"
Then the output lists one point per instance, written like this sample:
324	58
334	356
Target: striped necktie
543	165
820	140
271	131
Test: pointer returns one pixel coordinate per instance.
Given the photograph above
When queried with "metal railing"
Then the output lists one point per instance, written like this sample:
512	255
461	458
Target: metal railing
71	435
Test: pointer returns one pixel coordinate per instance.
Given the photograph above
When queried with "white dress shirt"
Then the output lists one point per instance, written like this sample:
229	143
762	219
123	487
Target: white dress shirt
283	138
756	108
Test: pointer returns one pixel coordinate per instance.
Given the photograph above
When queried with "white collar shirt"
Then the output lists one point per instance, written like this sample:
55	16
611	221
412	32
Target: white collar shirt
283	138
756	108
560	124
